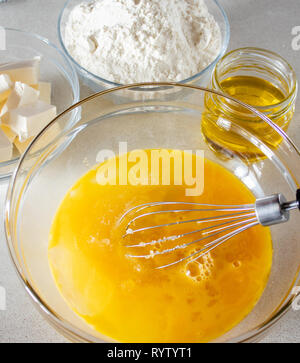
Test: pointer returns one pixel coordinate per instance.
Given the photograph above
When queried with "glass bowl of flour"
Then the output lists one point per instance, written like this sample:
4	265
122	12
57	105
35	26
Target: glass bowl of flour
119	42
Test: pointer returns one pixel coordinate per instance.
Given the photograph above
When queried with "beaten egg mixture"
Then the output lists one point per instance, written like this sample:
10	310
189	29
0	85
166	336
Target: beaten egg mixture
127	299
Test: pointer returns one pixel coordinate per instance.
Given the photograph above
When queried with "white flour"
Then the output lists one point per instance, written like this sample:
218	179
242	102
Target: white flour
128	41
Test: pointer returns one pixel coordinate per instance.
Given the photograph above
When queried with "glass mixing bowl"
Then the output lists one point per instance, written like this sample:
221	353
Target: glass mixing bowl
172	120
55	68
98	84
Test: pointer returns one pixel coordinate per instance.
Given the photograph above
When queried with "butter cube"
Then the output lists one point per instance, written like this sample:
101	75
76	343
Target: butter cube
5	87
41	143
22	145
45	92
22	94
10	134
28	120
2	105
24	71
6	147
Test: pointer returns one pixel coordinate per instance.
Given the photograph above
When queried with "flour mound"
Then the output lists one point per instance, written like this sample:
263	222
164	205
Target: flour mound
127	41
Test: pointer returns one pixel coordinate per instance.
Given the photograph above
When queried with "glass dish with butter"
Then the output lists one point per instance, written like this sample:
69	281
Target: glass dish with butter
36	83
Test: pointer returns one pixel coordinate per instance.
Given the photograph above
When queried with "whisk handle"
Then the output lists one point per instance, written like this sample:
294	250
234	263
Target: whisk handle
288	206
298	198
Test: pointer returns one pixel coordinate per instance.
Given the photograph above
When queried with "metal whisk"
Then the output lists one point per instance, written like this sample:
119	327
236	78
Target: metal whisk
235	219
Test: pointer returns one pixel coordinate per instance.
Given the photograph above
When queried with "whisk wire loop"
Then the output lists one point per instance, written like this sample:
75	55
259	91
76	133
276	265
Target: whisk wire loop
233	220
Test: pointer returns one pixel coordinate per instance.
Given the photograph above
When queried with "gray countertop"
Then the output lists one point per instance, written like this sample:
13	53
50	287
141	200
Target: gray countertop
262	23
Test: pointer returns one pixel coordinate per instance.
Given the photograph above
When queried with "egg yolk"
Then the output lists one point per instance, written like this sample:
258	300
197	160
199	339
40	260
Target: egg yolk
127	299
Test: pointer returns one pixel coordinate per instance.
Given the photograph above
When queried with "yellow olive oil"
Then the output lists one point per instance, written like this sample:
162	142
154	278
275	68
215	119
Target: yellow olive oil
224	121
254	91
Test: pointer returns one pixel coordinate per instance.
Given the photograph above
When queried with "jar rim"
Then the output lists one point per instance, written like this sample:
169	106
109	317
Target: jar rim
268	53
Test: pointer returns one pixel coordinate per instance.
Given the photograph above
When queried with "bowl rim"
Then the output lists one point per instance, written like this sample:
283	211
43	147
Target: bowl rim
73	80
58	322
94	77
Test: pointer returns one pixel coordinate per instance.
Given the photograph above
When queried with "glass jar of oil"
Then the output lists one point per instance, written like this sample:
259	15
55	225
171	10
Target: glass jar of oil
259	78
